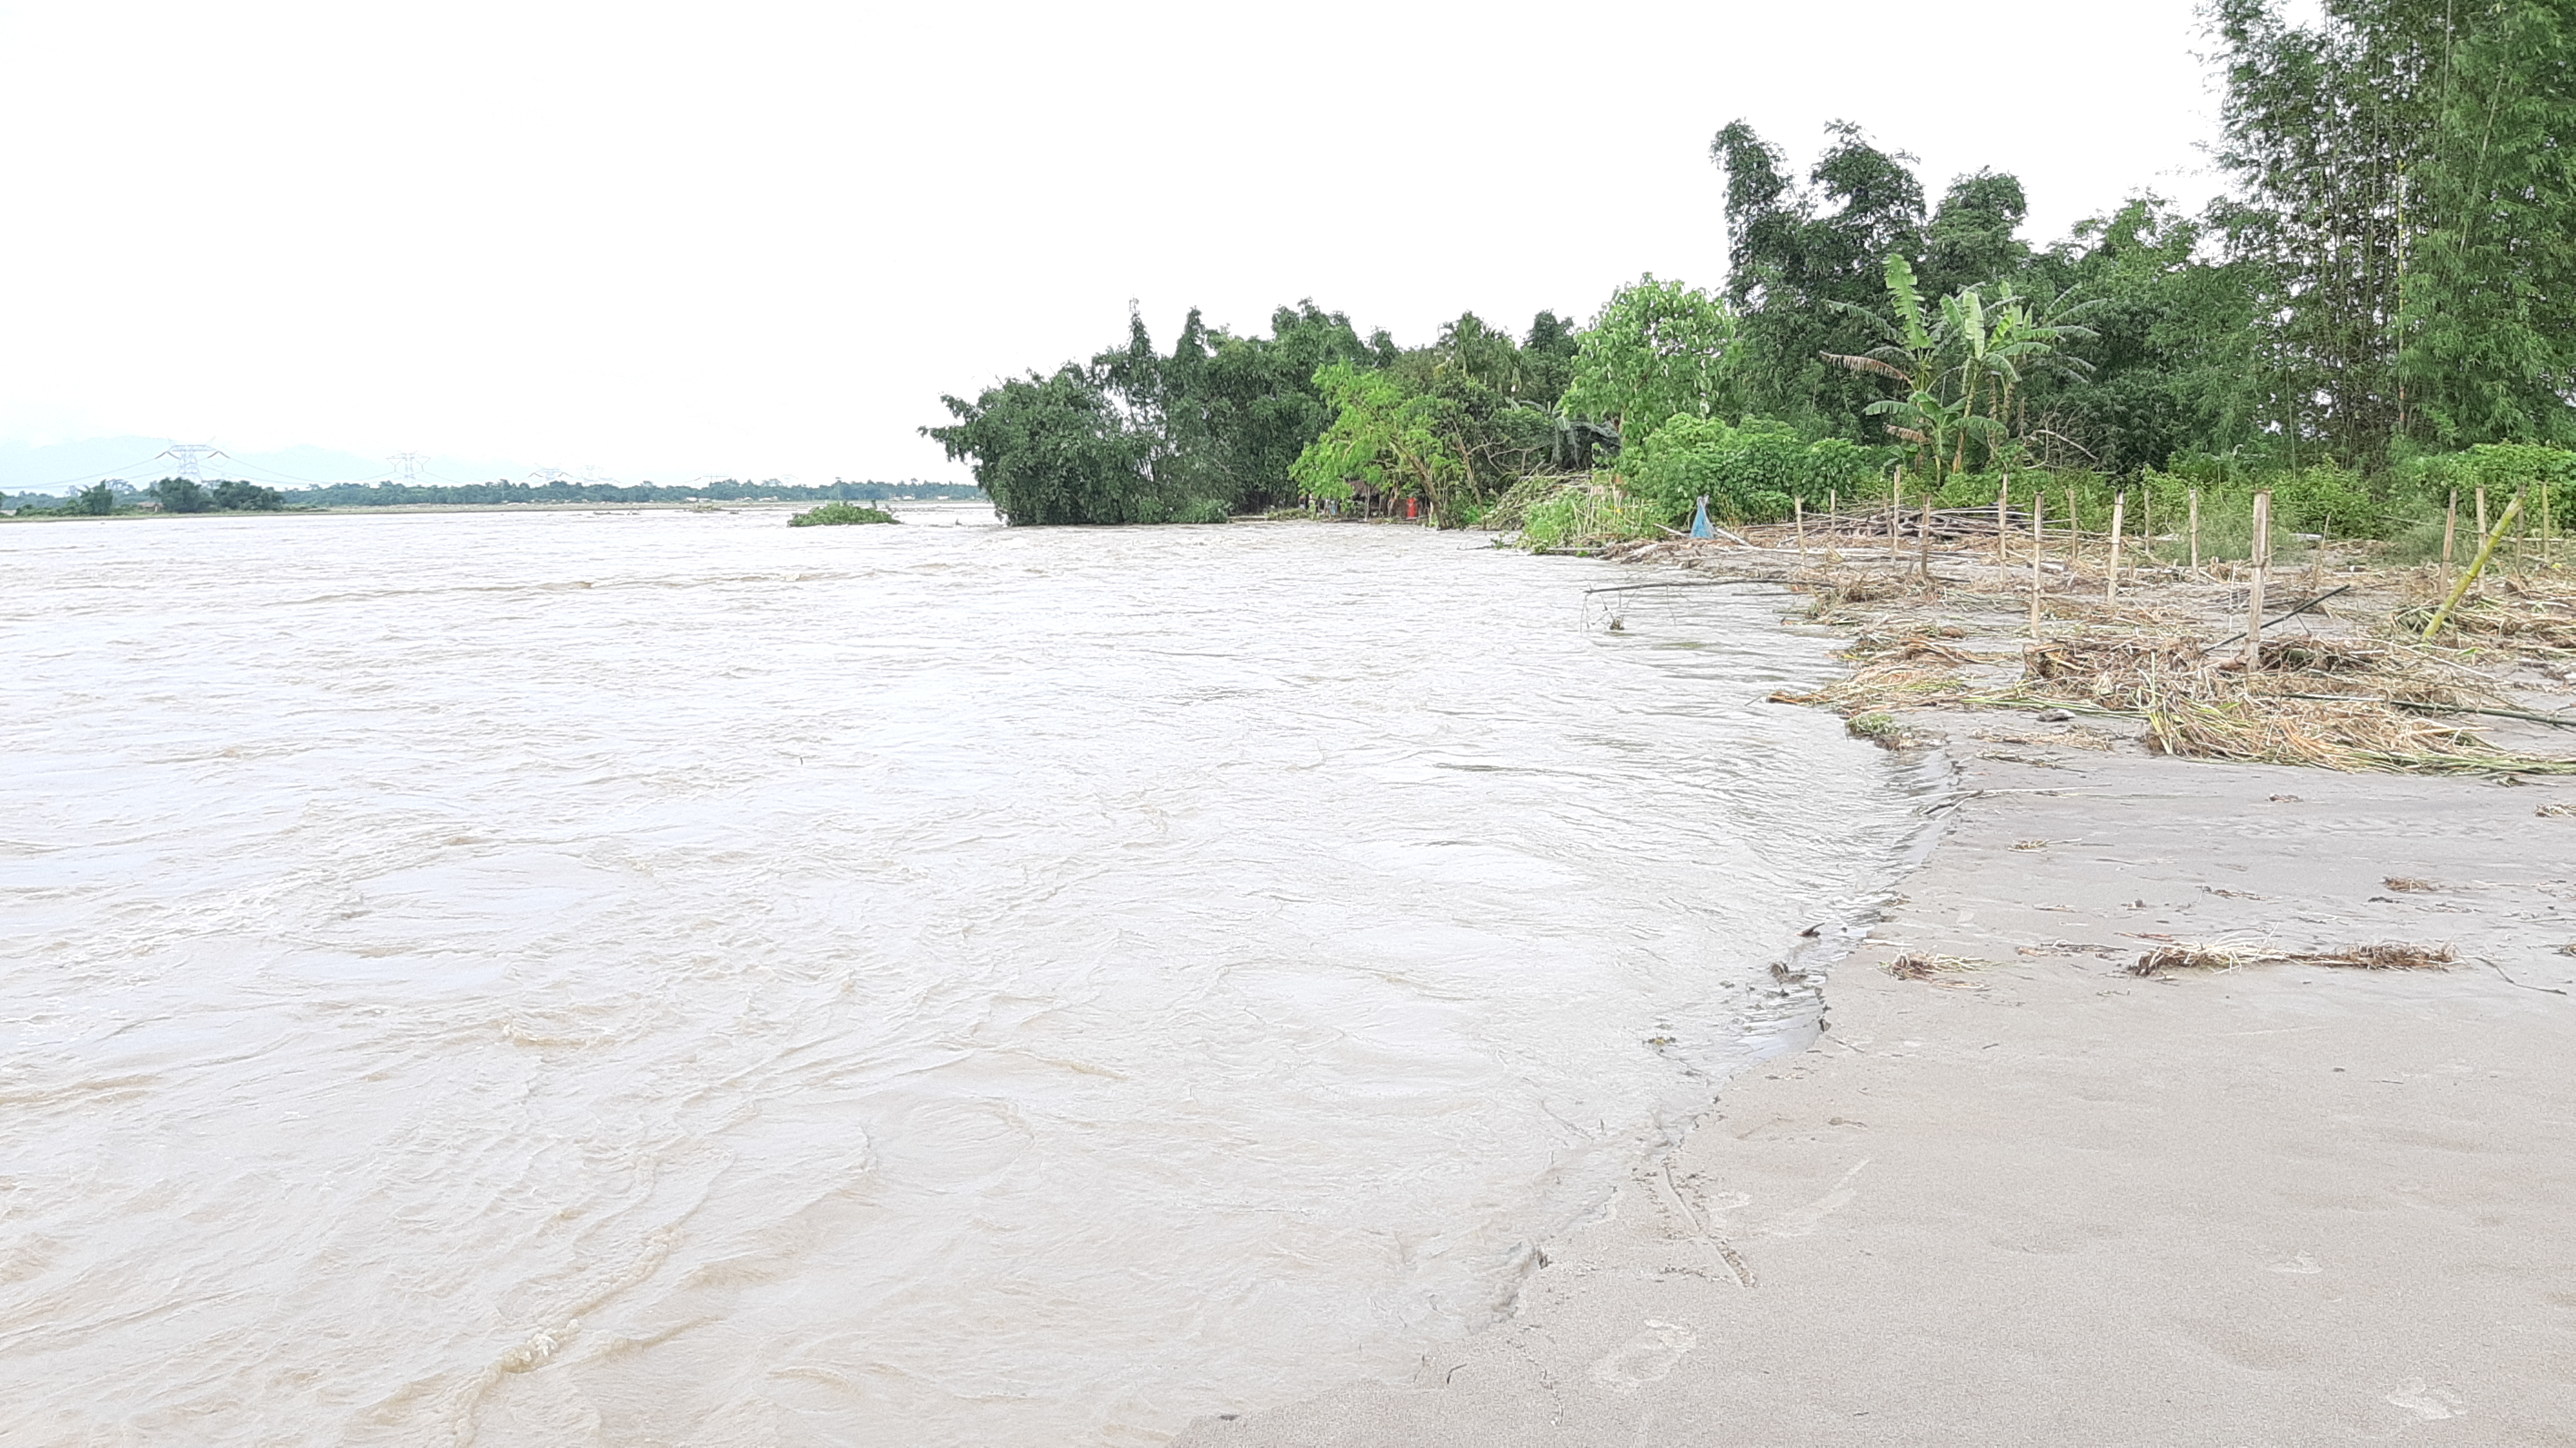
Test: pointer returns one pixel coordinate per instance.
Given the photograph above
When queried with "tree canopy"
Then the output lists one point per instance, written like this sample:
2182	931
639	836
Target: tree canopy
2394	276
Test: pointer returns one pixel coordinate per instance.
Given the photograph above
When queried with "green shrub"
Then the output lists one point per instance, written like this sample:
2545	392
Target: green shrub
1581	515
1749	473
838	514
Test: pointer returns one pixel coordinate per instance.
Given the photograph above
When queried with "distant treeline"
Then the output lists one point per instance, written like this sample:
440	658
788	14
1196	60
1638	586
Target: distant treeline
170	495
180	495
378	495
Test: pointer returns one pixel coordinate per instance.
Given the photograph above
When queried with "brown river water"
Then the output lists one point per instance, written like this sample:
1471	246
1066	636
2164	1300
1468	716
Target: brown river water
667	978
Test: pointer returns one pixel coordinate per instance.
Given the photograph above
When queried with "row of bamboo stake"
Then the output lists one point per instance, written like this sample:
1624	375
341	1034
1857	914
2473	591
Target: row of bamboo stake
2458	584
2075	534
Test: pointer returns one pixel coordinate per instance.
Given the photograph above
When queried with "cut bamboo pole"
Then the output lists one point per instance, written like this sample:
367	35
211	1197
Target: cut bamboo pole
2119	515
2482	510
2195	530
2317	556
2147	523
2254	599
1923	540
2003	540
2038	550
2450	534
1798	511
1895	514
2477	565
2074	535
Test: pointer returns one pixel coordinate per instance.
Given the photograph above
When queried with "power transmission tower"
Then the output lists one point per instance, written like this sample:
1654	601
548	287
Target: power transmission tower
406	466
190	458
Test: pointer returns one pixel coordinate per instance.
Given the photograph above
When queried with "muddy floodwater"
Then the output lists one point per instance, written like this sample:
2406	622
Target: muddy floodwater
669	978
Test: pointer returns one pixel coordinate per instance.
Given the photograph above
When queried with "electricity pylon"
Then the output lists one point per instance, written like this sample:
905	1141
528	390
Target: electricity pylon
191	459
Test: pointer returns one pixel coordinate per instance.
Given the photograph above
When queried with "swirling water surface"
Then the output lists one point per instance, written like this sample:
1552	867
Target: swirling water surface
668	978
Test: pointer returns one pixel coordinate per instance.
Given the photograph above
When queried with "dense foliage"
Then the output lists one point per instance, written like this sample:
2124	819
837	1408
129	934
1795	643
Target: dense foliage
2388	297
840	515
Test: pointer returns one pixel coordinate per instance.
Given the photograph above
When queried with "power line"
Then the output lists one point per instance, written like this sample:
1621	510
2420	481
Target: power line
191	458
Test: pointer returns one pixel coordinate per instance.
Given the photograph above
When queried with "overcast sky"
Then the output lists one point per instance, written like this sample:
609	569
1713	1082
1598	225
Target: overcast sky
759	239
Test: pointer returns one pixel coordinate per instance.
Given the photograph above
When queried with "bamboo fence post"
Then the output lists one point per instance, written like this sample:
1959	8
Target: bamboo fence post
1834	513
2477	565
1798	513
2317	557
2195	530
2119	515
2254	595
2074	534
2003	544
2038	550
2548	533
1895	514
1923	543
2450	532
2482	510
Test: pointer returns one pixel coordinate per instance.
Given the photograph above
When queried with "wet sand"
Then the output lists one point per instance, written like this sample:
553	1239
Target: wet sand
2042	1201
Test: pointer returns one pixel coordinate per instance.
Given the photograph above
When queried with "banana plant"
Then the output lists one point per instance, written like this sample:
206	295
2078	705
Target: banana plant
1961	361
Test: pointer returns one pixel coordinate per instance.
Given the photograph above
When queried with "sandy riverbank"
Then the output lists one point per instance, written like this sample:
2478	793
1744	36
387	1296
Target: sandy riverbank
2037	1199
2044	1201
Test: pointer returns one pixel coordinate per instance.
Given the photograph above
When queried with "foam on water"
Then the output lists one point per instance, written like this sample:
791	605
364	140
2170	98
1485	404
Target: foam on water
670	978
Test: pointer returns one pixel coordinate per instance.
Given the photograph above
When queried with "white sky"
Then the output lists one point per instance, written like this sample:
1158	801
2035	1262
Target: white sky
762	238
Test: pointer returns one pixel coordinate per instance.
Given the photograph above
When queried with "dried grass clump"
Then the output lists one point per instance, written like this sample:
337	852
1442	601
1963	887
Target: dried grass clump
1914	645
1900	683
1838	594
2385	956
2408	884
2111	672
2325	702
2529	616
2230	955
1920	966
2166	958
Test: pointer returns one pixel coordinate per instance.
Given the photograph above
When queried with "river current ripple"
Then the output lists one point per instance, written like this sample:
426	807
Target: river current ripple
667	978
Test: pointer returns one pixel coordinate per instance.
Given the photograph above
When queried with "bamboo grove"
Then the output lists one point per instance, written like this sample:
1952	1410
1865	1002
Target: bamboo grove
2382	311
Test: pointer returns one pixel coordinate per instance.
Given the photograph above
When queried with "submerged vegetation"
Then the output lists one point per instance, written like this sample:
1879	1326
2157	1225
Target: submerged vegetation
2381	318
835	515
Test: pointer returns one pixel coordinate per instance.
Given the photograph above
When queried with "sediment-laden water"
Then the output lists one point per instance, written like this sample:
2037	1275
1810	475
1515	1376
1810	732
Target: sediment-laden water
669	978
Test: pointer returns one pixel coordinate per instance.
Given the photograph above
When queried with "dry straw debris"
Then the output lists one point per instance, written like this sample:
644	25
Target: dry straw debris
1921	966
2230	955
2525	616
2336	703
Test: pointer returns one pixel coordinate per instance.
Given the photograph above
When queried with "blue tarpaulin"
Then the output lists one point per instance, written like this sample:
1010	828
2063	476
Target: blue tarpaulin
1699	521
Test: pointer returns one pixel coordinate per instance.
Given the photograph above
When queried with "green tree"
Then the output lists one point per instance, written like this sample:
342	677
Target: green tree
181	495
1657	350
2411	203
97	500
1382	434
235	496
1053	449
